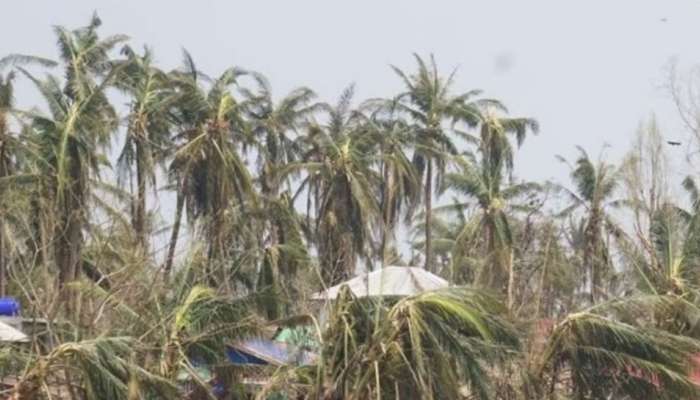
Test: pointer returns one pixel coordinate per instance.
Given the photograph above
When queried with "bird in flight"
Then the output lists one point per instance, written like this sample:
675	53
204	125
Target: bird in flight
672	143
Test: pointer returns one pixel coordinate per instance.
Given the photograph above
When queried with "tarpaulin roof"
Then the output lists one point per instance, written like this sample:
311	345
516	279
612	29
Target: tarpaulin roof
263	352
388	281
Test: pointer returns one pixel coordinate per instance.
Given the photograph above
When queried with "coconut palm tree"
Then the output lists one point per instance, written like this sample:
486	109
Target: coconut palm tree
595	184
399	191
148	128
101	368
69	139
610	359
212	177
201	325
483	180
272	124
342	185
434	345
429	103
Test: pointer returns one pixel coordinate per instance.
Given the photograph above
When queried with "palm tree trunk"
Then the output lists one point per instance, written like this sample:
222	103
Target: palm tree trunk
3	265
511	280
428	214
387	204
68	245
179	206
140	209
591	253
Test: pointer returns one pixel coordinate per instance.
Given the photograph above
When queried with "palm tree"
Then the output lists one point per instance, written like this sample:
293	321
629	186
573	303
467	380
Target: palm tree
428	102
610	359
148	130
342	184
101	368
483	181
81	121
274	126
399	191
271	124
432	345
595	184
212	177
201	325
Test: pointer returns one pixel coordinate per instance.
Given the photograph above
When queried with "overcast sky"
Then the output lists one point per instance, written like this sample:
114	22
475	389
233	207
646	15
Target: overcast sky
589	71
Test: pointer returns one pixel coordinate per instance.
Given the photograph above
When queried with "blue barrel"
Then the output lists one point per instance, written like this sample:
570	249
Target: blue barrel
9	307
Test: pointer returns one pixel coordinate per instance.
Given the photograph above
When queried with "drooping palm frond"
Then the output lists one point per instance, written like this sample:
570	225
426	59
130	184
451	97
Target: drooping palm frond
203	324
102	368
424	346
610	358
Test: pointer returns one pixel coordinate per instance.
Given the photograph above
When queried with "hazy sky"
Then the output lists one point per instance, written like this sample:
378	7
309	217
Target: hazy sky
589	71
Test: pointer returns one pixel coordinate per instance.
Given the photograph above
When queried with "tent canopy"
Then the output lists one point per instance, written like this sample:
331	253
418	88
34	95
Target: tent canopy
388	281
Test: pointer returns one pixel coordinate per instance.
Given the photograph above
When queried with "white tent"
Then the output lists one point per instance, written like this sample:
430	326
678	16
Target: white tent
388	281
10	334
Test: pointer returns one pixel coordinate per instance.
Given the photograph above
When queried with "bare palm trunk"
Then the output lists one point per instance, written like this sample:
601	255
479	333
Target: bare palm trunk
591	254
4	171
386	213
179	206
140	206
428	215
511	280
68	246
3	265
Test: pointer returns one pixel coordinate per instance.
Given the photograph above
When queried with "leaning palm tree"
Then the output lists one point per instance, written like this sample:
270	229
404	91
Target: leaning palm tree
212	176
102	368
429	103
201	325
148	128
610	359
595	184
433	345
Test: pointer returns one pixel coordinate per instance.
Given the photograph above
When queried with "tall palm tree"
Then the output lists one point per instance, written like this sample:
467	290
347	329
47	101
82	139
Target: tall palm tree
595	185
484	181
69	141
148	129
212	175
429	103
399	191
80	123
275	126
341	183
